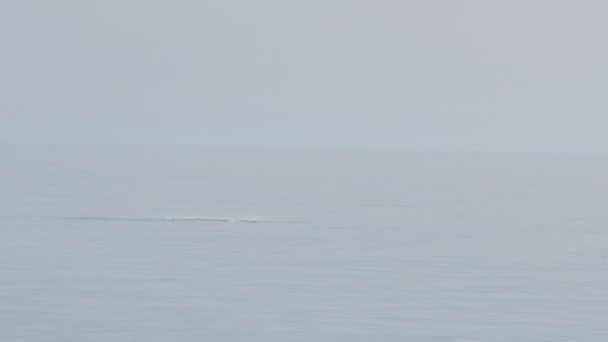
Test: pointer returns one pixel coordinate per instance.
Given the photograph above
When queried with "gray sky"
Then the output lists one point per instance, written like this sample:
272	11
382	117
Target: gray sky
499	75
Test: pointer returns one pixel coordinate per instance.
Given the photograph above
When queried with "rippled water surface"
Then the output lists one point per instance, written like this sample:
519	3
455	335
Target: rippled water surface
159	243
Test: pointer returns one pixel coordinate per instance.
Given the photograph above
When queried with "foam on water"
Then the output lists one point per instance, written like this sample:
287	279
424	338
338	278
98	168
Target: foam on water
161	219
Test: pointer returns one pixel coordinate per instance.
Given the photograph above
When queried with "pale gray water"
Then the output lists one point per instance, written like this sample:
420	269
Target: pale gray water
165	243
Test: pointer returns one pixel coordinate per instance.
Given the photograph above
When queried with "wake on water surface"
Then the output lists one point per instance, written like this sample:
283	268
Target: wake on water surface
163	219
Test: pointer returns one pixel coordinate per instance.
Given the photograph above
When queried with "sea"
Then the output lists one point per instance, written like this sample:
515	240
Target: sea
204	243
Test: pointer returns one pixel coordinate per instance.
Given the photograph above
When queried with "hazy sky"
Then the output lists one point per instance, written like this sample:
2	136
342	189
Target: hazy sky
504	75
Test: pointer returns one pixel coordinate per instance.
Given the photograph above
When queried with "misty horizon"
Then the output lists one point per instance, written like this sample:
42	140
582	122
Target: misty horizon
511	76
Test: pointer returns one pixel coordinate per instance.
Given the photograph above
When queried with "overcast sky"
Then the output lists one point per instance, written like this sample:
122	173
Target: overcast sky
498	75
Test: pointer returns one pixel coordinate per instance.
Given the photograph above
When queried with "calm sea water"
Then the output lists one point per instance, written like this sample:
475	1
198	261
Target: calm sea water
159	243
